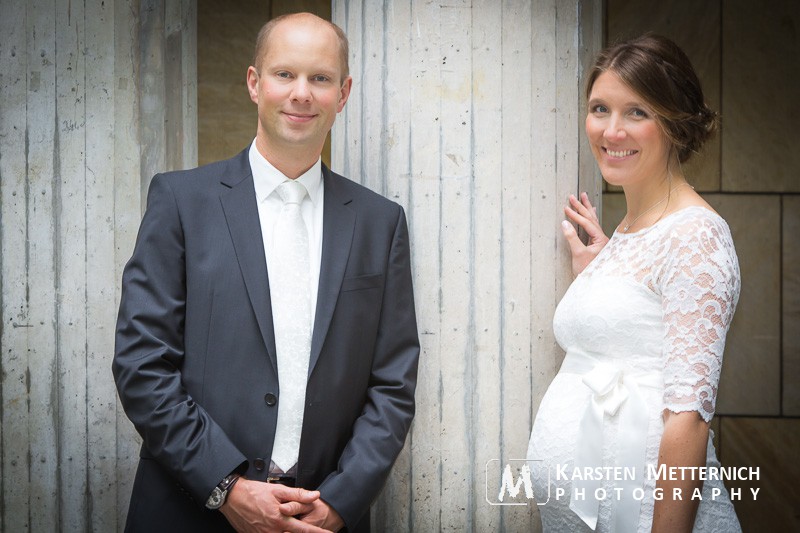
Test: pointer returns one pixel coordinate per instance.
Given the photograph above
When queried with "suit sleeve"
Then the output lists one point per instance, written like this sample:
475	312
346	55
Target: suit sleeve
149	352
379	433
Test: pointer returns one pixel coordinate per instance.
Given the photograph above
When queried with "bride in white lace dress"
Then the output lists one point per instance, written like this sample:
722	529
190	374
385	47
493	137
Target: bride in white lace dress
644	323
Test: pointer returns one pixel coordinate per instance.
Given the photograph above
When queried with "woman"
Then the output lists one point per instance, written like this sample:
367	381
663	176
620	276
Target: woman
645	320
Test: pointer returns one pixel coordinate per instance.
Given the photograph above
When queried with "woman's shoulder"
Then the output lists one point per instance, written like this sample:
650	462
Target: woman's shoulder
699	239
690	224
697	222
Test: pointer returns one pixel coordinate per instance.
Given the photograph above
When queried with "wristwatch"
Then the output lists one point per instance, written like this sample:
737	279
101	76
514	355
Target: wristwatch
220	492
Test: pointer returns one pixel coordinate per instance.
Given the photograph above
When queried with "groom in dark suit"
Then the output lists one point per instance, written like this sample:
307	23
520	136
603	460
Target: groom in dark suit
266	345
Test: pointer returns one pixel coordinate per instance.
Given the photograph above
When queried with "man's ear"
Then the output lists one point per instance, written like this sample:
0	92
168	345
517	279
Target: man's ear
344	94
252	83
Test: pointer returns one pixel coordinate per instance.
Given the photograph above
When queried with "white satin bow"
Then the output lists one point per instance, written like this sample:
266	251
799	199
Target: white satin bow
615	392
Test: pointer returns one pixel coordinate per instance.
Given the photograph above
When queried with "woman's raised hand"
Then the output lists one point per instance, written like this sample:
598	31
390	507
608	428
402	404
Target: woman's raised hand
584	214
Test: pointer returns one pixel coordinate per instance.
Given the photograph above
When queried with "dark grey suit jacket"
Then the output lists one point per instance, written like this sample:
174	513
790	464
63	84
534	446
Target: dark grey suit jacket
195	362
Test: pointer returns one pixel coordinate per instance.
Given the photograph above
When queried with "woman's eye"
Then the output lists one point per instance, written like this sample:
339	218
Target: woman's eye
599	108
638	113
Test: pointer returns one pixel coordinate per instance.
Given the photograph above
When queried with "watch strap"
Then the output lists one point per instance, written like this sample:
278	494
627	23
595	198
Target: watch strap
220	492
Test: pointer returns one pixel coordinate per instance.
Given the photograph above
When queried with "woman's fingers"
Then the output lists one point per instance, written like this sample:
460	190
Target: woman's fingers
574	242
582	205
584	214
591	210
589	224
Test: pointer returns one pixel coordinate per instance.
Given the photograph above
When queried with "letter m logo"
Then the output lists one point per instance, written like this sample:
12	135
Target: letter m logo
507	483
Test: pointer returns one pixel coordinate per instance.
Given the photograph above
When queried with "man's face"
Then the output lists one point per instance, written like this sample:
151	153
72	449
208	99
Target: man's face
298	87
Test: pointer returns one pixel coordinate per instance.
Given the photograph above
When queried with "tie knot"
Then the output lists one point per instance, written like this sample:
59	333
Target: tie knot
291	192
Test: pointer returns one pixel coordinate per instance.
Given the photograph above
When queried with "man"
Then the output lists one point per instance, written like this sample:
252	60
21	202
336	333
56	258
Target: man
266	343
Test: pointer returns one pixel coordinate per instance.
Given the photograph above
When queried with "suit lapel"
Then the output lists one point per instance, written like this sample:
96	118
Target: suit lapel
241	213
338	223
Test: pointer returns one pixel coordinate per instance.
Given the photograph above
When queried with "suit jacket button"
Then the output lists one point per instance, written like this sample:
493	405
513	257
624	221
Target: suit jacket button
259	464
270	399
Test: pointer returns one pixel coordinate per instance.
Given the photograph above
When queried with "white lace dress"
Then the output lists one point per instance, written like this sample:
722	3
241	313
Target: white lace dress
644	330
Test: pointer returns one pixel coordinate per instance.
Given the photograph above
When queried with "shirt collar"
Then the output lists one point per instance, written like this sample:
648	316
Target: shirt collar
266	177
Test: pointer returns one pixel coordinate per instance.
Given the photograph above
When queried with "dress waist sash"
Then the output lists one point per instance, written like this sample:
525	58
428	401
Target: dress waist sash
616	392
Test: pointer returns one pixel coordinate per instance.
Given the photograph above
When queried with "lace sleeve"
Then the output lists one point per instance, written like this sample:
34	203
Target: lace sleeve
700	287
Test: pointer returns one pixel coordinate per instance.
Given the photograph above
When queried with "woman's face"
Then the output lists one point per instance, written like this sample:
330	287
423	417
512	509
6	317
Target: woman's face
625	137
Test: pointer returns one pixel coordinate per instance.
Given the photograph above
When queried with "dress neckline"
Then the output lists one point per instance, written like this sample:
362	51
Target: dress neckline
662	220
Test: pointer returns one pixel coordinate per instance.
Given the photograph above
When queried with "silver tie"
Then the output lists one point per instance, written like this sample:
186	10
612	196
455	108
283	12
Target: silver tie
291	315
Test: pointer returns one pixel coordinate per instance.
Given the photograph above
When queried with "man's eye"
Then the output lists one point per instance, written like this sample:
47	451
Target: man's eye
283	75
320	78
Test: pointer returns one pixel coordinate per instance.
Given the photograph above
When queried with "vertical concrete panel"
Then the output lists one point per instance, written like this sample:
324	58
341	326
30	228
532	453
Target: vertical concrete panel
515	264
468	115
486	221
14	260
457	333
99	212
42	196
70	241
180	79
188	75
173	84
548	198
153	95
371	80
128	206
425	214
351	19
393	510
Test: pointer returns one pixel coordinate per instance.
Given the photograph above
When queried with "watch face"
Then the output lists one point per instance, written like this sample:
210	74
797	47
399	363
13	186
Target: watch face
215	500
220	492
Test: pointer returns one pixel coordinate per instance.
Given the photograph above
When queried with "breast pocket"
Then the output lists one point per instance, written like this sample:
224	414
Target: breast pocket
359	283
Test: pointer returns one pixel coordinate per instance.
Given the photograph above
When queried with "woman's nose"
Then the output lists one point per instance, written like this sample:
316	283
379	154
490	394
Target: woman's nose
615	129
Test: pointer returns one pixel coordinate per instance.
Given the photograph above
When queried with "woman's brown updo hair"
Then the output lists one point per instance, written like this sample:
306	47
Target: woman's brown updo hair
657	70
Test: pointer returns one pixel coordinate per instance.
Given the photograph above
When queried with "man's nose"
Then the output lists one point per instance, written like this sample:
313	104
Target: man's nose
301	90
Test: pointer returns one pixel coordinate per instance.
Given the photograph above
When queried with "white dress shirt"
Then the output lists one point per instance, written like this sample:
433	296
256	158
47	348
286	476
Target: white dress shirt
266	179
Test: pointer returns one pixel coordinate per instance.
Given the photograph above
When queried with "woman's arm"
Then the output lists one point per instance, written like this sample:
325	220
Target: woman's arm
699	285
683	444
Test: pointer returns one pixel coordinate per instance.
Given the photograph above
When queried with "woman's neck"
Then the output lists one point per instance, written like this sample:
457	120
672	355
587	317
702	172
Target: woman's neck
647	201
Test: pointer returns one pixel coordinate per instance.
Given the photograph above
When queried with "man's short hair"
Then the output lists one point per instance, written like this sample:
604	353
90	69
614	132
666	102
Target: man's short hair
266	29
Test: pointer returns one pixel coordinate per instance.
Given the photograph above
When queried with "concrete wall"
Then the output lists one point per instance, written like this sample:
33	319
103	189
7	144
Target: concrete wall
467	113
95	97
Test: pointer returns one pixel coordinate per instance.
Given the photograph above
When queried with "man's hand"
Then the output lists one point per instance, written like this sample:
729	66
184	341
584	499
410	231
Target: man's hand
585	215
322	514
254	506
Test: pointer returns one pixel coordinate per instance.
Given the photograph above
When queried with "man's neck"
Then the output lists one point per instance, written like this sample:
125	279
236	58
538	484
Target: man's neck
292	162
